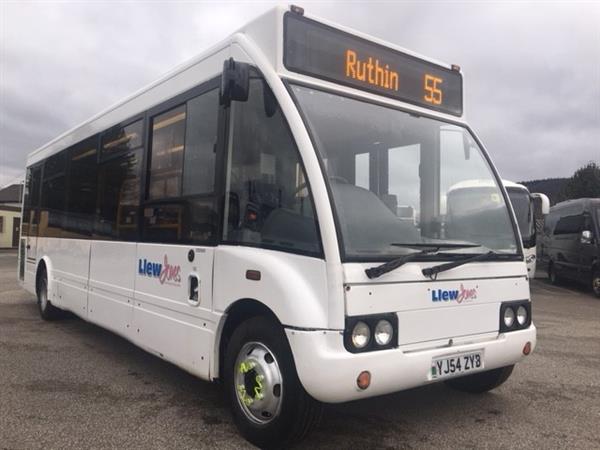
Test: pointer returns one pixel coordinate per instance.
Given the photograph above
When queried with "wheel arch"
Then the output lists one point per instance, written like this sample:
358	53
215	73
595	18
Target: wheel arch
236	313
43	264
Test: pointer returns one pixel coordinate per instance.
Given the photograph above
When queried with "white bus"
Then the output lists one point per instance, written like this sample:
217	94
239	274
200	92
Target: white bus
239	218
467	196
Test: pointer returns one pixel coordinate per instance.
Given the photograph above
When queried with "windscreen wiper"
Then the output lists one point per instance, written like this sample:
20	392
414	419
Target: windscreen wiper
438	245
432	272
377	271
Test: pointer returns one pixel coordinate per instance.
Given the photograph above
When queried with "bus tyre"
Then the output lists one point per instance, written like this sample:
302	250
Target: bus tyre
269	405
479	383
596	282
47	310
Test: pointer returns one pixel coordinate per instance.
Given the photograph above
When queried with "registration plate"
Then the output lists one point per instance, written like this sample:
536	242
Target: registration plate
448	366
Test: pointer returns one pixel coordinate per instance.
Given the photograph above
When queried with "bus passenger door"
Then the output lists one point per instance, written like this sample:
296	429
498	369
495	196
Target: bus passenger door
173	302
31	213
173	290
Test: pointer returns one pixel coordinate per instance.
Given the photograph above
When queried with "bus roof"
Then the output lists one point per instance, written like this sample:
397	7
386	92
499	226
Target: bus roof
263	39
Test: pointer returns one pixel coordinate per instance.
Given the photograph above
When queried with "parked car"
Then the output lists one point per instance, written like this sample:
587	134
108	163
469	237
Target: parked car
571	242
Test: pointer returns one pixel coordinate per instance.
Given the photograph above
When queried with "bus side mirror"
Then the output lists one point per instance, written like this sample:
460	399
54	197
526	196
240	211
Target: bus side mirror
235	82
543	201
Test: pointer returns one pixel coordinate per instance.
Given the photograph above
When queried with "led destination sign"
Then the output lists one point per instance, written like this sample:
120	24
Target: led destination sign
318	50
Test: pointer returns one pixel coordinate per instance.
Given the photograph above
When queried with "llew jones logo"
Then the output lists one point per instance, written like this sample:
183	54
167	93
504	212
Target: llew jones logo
457	295
165	272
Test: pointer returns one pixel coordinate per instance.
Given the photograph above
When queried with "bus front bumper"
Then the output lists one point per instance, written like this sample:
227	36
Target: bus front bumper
329	372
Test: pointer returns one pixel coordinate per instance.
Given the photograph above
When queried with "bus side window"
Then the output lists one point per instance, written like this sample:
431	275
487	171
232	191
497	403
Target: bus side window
119	183
53	196
269	201
81	195
27	202
181	201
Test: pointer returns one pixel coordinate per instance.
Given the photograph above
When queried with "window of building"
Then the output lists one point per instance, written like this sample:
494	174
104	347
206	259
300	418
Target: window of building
1	224
269	202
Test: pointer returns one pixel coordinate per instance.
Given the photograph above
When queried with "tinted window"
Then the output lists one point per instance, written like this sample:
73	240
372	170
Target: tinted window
183	143
118	197
166	156
120	139
200	140
53	196
26	202
269	202
189	220
81	202
569	225
32	201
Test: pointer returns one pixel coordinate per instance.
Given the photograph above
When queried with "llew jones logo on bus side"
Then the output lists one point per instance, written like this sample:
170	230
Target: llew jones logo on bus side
165	272
457	295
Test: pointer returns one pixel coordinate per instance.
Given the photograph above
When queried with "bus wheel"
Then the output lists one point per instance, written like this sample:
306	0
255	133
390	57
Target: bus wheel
269	405
479	383
596	282
47	310
552	275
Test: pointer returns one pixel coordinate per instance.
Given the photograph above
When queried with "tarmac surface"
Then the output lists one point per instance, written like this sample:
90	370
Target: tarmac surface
70	384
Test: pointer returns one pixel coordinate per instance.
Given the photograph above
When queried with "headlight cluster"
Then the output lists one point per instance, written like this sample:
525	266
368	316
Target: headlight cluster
515	315
368	333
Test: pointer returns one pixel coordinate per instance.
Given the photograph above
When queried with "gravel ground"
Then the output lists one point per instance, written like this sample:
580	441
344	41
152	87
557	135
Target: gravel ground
70	384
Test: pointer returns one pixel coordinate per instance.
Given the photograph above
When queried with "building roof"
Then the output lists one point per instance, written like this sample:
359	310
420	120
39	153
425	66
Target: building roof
11	194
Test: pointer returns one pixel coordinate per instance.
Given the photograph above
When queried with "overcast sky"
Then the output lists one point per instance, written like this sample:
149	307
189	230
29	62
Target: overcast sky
532	70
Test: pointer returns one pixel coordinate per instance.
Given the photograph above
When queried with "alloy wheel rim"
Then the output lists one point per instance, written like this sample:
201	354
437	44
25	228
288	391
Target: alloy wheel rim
258	383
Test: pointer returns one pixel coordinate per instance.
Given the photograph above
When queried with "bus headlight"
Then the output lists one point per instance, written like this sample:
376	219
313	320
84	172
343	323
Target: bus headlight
383	332
361	335
371	333
521	315
509	317
515	315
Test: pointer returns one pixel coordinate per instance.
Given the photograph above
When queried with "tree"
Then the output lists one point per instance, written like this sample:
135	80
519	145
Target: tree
585	182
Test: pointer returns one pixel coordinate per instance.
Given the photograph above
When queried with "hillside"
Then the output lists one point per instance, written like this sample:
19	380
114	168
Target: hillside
552	187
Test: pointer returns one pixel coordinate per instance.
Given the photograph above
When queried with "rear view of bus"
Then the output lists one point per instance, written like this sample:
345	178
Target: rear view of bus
276	214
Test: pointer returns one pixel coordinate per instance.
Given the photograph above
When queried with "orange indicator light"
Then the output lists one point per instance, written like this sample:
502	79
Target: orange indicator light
364	379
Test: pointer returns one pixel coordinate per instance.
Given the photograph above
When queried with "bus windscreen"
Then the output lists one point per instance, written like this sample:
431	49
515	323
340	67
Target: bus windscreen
318	50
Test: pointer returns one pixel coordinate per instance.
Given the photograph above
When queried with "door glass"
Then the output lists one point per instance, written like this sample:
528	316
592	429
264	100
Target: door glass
269	201
181	201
